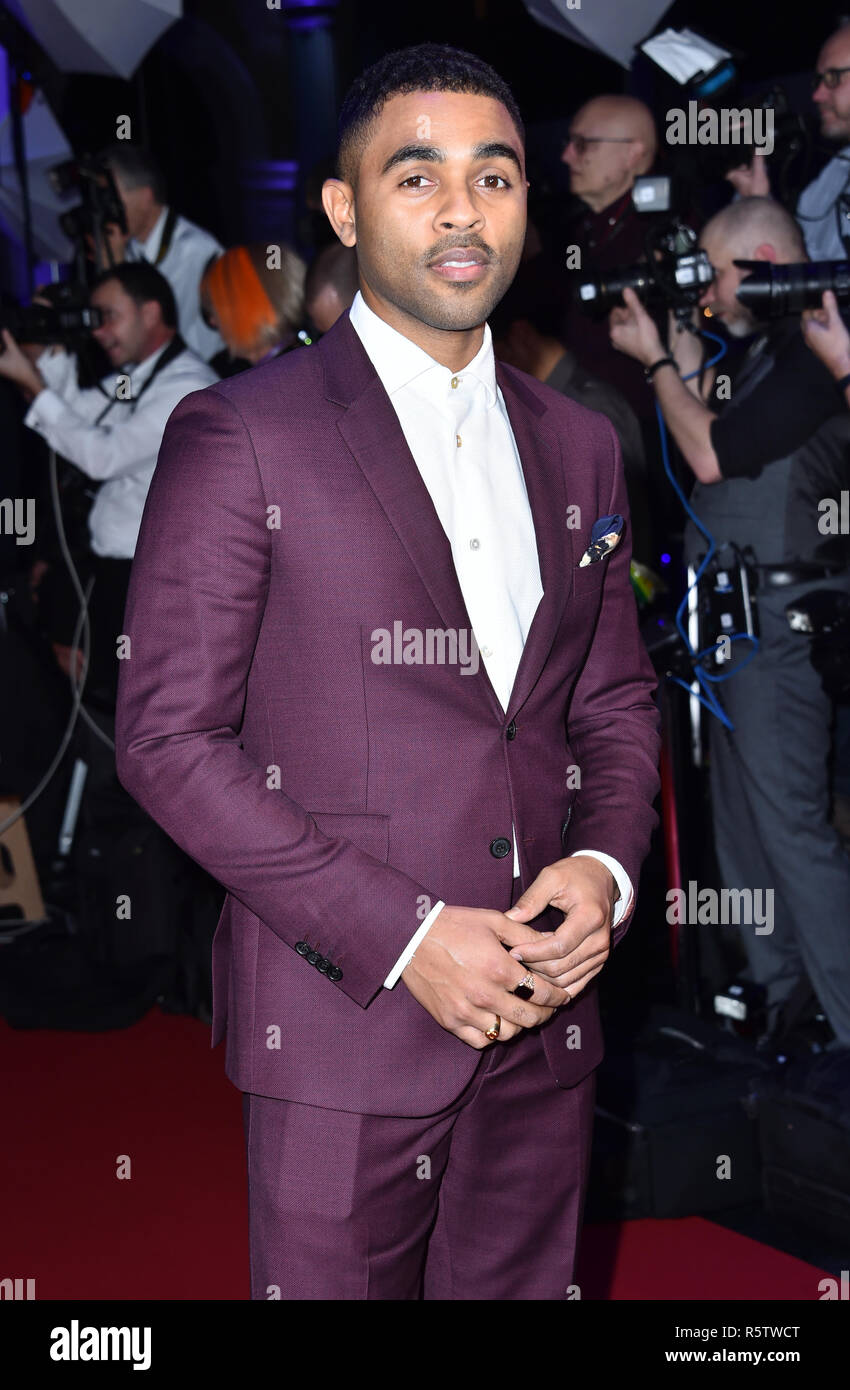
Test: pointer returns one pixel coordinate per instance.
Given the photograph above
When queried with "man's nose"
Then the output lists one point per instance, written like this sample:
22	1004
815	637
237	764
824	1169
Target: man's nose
459	209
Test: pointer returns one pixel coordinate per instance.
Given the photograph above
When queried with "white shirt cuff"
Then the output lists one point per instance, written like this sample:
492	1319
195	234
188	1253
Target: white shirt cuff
624	883
407	954
45	409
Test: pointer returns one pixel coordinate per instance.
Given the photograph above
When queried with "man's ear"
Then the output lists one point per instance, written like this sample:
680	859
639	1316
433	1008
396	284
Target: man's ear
637	157
338	202
151	314
765	251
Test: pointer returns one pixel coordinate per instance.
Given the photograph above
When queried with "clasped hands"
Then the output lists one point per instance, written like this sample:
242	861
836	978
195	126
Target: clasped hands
465	969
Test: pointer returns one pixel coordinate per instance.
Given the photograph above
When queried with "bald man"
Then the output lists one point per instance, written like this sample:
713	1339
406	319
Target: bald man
611	141
780	445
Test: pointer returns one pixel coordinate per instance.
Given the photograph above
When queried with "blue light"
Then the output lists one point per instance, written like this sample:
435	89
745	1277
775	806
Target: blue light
665	558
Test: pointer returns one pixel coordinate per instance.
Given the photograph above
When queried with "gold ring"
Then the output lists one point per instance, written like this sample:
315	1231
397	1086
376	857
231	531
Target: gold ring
525	988
493	1032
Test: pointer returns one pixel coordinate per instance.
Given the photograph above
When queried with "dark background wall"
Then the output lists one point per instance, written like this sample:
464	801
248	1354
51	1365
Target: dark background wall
239	101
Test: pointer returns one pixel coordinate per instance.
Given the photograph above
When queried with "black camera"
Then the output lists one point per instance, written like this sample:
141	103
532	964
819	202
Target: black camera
101	204
65	321
38	324
773	290
673	274
771	114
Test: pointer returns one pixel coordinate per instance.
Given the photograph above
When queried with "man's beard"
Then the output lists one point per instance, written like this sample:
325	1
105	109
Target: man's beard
837	134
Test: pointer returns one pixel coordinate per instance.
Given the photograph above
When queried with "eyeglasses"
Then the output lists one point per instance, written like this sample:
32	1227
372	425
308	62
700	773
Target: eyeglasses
581	142
830	78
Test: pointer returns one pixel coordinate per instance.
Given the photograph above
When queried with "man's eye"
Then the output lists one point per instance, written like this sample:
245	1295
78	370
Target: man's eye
410	179
505	181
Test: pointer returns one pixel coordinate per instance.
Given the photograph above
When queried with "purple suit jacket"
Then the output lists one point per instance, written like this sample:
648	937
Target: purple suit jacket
336	799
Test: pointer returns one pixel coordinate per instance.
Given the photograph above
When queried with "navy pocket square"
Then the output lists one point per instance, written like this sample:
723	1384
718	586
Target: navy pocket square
606	533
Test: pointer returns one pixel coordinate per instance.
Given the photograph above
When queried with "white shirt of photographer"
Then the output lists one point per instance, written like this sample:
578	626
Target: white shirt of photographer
458	431
120	452
183	265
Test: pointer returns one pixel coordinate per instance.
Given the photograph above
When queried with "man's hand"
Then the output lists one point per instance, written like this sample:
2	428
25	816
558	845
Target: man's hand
17	367
63	658
584	890
826	334
634	332
463	976
751	180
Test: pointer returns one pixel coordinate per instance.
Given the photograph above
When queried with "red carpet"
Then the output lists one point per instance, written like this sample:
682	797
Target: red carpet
176	1228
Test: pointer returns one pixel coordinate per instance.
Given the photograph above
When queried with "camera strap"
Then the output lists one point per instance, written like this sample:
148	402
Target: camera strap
174	349
167	234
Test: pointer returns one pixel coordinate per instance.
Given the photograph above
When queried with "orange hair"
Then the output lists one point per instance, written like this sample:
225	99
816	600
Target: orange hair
243	308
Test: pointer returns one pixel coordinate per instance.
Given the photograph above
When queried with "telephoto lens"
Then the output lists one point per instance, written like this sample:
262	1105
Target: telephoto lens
773	290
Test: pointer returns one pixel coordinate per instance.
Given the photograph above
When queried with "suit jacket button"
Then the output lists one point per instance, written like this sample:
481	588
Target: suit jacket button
334	973
323	965
302	948
500	847
314	957
510	731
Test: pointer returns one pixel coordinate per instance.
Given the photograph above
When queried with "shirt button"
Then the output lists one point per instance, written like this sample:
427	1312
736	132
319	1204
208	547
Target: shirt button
486	651
458	439
475	543
455	381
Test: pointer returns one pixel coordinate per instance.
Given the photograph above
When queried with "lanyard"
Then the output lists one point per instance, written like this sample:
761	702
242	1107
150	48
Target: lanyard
174	349
167	234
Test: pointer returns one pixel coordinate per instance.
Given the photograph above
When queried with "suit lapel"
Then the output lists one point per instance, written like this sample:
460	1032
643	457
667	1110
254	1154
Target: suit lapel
540	454
373	434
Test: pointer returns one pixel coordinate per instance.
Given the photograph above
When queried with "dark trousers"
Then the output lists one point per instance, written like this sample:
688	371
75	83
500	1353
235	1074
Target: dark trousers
59	608
483	1200
770	805
107	601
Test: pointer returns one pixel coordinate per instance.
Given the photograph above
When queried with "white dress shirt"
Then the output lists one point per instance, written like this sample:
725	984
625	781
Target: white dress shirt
458	431
821	221
122	450
183	265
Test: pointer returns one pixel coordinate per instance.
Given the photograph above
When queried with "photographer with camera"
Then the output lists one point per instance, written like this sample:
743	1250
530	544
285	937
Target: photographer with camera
764	455
612	141
111	432
156	233
823	208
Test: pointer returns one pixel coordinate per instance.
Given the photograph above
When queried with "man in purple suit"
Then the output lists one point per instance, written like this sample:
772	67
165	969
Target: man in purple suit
374	692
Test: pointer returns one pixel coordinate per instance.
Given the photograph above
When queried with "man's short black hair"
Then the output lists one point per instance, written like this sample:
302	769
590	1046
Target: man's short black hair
136	167
143	283
427	67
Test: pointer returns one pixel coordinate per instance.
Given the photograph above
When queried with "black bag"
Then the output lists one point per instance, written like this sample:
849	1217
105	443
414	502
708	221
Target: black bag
675	1108
804	1132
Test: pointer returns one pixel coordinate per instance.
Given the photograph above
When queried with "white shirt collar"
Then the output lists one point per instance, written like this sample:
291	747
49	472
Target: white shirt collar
399	362
139	371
